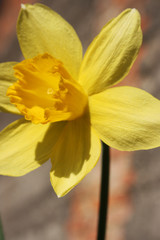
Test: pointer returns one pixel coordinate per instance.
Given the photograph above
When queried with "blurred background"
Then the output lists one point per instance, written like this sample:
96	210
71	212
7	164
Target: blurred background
29	207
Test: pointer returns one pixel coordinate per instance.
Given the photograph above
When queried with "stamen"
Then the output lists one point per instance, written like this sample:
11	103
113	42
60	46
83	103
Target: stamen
50	91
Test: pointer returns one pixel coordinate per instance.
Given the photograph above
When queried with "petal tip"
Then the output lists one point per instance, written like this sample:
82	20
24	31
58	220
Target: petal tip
134	11
23	6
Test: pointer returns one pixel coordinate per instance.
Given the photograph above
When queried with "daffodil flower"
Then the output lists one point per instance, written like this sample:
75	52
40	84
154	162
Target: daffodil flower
68	103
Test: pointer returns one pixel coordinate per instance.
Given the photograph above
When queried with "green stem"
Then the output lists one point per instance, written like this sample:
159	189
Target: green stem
1	231
103	209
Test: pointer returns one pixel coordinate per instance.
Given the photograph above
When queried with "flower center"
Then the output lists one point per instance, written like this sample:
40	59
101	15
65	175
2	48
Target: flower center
45	92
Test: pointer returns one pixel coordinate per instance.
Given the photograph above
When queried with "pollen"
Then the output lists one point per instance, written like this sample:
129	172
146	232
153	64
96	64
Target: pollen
50	91
45	92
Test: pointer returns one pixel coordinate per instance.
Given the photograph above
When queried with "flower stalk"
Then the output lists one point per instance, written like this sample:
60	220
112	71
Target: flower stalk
1	231
104	194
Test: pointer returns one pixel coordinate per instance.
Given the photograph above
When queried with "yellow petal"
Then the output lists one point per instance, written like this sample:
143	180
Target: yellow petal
25	146
126	118
6	80
41	30
74	155
112	53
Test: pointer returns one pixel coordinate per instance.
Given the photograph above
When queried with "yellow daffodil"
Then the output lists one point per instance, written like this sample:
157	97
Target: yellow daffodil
69	104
